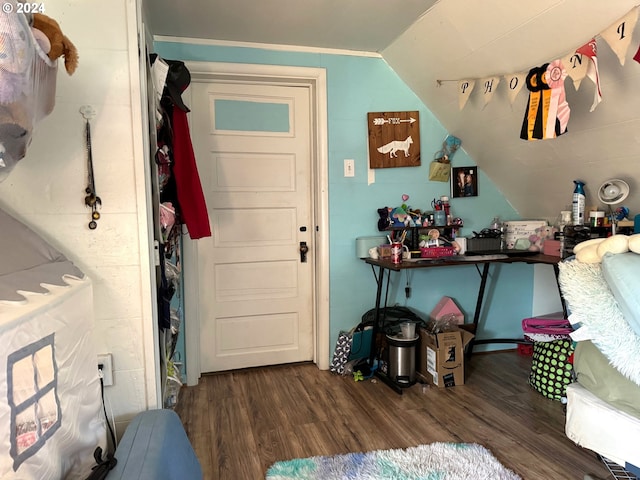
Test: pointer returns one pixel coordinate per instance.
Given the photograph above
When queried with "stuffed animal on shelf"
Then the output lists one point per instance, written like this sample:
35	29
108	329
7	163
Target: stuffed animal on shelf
61	46
538	238
384	222
399	217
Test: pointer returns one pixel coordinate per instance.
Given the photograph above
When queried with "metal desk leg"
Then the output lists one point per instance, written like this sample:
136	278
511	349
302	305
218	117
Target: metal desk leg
476	315
556	271
476	318
374	332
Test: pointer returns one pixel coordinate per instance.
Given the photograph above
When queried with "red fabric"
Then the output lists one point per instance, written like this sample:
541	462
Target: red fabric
636	57
547	326
189	189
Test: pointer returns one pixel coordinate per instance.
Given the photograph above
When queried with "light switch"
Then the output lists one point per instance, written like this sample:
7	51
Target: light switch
349	167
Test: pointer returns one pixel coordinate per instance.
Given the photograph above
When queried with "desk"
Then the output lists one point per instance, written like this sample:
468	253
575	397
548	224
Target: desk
385	266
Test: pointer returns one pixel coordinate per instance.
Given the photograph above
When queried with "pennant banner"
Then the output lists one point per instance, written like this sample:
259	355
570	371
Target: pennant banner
590	50
618	35
489	86
465	87
577	65
515	82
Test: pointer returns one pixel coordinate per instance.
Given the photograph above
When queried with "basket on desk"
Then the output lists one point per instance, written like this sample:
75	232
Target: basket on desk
436	252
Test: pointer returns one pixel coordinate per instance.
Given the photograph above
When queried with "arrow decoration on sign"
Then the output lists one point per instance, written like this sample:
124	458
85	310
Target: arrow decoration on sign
390	135
392	121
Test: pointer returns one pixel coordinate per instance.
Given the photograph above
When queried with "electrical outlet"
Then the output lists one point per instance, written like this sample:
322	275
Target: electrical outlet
106	361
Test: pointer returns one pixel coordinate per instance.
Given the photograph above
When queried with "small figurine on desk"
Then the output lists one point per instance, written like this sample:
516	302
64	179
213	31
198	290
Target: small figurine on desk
433	239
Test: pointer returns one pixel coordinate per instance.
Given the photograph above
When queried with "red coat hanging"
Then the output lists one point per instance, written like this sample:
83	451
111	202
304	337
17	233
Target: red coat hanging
190	197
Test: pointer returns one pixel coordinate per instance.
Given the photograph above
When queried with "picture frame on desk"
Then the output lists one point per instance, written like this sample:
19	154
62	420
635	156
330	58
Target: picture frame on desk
464	182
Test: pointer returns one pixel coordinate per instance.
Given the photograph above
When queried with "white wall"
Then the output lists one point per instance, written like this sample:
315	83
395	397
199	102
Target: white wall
546	297
46	190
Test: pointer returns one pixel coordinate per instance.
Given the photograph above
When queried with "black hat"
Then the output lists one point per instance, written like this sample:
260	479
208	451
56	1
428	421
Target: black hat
177	81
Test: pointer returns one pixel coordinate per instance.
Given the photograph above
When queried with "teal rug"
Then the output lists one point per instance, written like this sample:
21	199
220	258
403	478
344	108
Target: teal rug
437	461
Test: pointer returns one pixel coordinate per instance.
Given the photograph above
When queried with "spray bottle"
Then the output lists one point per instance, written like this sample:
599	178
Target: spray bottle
578	203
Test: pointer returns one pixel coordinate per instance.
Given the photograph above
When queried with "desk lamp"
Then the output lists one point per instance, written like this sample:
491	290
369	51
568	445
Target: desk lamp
613	192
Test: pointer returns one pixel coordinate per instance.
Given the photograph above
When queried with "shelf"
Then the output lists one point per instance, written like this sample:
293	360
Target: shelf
412	239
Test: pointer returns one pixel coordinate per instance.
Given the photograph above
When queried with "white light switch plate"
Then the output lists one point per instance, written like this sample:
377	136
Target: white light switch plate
349	167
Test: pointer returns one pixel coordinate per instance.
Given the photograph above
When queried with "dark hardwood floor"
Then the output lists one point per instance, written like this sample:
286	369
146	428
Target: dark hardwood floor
242	422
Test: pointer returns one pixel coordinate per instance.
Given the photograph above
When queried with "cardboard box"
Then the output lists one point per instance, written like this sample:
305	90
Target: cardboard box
441	357
447	308
384	251
517	233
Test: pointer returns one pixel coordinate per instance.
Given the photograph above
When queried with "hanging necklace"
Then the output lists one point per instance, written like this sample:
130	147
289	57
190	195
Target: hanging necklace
91	200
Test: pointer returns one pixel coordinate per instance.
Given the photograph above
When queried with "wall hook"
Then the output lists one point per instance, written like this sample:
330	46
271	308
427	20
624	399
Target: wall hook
88	112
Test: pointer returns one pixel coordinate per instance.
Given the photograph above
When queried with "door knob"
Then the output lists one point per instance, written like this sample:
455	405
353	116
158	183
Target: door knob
304	249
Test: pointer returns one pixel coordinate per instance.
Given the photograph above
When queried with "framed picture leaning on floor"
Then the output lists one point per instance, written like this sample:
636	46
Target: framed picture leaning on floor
464	182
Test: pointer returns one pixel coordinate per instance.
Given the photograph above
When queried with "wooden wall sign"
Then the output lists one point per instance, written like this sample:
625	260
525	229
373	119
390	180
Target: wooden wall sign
394	139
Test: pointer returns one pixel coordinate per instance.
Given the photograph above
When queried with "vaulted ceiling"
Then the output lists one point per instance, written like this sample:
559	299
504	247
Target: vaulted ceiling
427	41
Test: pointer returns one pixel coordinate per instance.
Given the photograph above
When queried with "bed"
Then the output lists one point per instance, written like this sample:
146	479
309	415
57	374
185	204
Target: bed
603	405
50	403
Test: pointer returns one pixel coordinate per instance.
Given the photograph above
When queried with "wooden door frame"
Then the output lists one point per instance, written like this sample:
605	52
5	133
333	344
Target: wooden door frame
315	79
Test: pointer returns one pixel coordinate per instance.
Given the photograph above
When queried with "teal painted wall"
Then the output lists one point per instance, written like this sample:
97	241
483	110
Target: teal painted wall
355	86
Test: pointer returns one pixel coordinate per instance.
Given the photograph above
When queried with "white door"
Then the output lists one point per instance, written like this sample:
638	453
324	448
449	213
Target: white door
253	148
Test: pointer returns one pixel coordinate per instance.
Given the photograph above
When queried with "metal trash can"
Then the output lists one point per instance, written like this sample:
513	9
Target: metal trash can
402	359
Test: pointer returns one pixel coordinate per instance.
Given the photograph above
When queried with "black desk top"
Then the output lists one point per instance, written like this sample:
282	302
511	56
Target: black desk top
462	260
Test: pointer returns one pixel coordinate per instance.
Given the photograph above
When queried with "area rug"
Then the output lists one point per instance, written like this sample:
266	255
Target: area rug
436	461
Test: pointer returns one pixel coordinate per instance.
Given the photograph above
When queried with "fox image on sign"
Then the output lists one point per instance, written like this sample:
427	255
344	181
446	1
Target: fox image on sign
392	147
390	135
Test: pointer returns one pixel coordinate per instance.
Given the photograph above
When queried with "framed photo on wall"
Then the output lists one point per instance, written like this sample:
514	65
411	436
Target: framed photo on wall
464	182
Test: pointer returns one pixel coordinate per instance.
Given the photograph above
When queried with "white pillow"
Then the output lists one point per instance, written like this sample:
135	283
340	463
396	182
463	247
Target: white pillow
614	244
588	254
634	243
587	243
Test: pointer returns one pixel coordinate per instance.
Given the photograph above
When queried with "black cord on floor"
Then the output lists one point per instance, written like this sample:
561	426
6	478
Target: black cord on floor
103	466
113	436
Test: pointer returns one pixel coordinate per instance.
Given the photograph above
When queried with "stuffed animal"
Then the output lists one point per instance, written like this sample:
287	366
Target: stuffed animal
15	132
538	238
61	46
384	222
592	251
399	217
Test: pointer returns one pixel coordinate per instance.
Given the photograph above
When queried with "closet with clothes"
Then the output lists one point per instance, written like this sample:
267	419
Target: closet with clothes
179	210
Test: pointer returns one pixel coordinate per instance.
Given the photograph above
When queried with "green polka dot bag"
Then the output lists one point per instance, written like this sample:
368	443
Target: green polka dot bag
551	368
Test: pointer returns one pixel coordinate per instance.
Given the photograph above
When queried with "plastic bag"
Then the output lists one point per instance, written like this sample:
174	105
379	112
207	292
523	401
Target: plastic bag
439	171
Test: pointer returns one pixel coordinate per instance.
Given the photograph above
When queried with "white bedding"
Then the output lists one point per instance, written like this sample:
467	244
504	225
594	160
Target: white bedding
596	316
594	424
50	405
